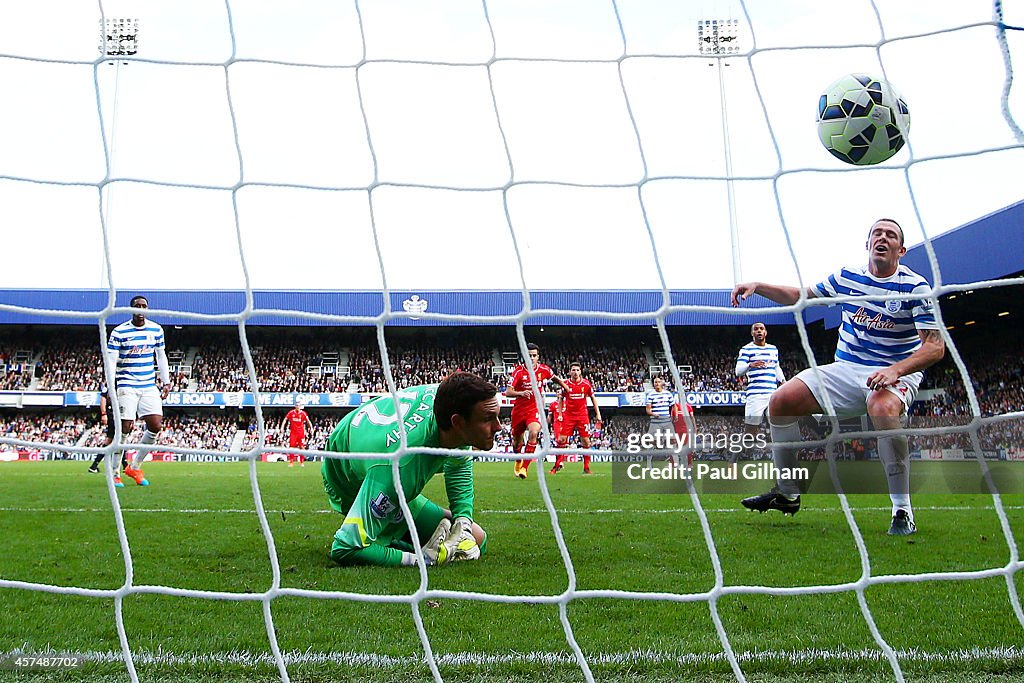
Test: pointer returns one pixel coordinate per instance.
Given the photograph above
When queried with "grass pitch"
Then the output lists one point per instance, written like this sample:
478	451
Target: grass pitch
196	529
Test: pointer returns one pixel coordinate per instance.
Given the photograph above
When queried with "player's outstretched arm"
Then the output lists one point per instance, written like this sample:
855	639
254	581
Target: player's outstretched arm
780	294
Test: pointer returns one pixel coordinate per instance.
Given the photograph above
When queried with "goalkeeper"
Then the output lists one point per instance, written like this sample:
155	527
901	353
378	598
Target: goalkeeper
459	413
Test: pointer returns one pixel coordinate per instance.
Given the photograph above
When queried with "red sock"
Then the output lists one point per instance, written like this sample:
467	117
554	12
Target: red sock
586	462
559	460
527	449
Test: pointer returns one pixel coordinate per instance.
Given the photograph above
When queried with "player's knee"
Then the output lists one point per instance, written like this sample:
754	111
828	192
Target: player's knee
782	410
885	409
776	404
886	422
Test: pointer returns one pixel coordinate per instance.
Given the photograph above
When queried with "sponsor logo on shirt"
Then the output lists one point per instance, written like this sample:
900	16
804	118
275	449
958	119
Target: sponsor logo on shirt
876	322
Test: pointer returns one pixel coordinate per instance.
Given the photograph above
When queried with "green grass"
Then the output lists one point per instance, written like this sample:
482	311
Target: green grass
196	528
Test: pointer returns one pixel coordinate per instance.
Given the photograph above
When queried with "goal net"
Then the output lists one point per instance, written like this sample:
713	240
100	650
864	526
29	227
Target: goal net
518	146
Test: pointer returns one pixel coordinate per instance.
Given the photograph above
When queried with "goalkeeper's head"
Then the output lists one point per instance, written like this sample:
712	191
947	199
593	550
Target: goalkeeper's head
466	410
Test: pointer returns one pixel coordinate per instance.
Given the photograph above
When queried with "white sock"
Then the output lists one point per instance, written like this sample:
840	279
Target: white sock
147	437
785	456
893	452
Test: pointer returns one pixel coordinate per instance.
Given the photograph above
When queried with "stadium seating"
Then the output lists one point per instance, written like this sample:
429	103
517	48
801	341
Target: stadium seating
68	359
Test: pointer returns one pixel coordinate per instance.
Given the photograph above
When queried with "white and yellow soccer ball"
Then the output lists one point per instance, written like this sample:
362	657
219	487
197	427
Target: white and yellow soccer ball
862	120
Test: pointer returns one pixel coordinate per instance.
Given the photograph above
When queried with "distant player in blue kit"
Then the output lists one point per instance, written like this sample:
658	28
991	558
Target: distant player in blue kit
134	347
662	408
758	361
883	348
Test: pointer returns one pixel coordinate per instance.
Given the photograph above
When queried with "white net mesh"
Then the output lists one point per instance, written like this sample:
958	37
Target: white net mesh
520	130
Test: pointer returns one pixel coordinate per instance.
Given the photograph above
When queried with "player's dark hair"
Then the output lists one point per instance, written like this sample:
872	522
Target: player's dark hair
136	298
889	220
532	347
457	395
575	365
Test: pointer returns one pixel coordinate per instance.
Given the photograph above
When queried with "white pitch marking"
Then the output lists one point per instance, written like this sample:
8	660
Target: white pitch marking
636	657
520	511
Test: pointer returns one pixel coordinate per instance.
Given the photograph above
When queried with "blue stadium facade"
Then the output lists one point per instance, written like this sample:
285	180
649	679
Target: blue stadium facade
991	247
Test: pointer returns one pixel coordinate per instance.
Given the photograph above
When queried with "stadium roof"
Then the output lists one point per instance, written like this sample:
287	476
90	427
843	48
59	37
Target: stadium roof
985	249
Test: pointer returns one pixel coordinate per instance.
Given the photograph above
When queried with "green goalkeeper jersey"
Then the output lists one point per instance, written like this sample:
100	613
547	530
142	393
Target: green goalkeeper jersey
364	489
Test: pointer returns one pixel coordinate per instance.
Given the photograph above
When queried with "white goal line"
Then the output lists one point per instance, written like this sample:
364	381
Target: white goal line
516	511
246	658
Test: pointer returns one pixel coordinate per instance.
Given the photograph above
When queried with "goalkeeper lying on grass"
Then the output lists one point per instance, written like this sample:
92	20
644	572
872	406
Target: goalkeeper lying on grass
461	412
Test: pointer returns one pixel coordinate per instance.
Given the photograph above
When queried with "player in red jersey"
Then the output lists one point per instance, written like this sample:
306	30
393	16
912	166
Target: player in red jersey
573	417
685	425
296	420
555	421
525	421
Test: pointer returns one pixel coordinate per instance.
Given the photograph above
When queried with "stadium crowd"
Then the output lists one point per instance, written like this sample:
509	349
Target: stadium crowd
612	364
56	428
416	363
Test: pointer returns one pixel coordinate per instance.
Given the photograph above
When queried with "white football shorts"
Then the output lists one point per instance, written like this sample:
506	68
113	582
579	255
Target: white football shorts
756	408
846	385
139	402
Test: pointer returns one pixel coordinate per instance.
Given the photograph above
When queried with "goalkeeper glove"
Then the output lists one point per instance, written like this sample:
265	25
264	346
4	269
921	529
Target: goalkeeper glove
434	550
461	544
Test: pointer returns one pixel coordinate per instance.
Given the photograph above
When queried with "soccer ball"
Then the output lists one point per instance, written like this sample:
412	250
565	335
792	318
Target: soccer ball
862	120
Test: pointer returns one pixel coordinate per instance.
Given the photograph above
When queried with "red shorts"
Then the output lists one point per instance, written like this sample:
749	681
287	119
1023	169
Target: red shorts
521	421
296	441
574	424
